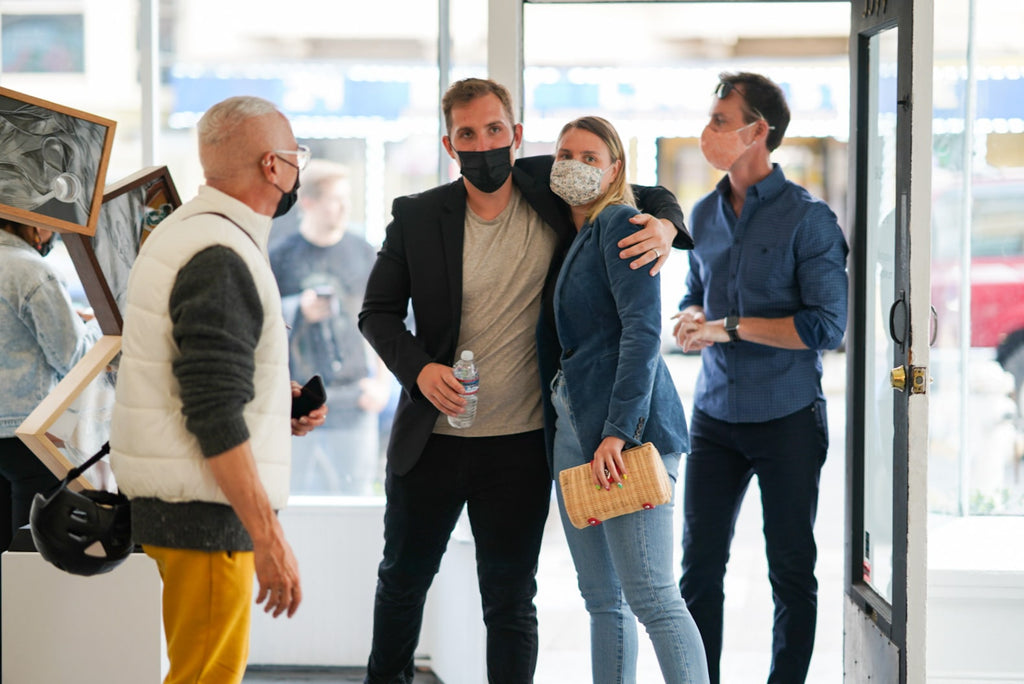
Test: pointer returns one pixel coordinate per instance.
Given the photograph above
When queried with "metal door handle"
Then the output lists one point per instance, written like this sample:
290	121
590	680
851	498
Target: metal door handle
898	378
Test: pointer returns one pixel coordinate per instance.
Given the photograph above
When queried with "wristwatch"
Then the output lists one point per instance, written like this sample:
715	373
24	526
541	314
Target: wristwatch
732	324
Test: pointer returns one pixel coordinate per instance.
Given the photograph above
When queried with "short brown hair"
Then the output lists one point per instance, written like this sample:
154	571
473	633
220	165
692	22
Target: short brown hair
468	89
762	95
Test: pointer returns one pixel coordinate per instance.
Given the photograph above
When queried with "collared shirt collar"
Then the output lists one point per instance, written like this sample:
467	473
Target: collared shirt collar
766	189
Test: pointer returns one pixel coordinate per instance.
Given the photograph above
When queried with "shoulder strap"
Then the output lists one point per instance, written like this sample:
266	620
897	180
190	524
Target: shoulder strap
233	221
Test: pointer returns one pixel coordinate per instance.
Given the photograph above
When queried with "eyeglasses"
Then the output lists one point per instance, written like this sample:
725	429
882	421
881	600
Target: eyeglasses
302	156
723	89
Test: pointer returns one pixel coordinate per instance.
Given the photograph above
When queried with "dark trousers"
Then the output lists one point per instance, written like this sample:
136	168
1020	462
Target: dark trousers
22	475
505	484
786	454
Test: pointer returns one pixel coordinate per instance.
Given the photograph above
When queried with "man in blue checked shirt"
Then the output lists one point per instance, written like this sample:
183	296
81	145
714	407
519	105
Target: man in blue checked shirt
767	292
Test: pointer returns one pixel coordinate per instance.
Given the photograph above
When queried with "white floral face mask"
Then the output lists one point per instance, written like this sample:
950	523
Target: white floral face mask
575	182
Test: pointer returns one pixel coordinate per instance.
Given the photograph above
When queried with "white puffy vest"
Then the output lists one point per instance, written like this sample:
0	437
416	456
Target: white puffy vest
152	453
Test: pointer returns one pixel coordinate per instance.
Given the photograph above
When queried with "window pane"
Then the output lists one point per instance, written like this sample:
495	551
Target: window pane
42	43
359	92
977	264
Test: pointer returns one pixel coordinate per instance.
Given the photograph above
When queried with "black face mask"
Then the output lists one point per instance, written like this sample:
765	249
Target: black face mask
44	247
487	170
287	200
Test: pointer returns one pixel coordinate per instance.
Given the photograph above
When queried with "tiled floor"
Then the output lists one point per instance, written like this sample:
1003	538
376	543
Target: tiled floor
325	675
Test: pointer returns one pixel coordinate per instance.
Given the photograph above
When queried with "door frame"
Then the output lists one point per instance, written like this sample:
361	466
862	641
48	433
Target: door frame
902	622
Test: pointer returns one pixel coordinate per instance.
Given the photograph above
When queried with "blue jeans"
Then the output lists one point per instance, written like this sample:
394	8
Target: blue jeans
624	568
786	454
505	485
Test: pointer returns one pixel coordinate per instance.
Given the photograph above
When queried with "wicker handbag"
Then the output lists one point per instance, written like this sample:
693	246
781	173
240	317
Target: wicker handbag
647	486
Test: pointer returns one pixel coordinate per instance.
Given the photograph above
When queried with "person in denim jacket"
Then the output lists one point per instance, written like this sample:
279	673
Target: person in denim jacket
42	338
614	391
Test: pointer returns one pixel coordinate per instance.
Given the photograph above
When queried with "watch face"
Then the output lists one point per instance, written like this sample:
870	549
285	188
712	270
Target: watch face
731	323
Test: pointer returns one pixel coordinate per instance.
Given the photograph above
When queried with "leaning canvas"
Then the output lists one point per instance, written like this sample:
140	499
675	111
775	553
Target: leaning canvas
132	208
54	163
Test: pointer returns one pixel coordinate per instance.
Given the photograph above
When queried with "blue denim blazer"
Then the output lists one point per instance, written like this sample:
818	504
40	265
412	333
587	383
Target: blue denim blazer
608	318
42	336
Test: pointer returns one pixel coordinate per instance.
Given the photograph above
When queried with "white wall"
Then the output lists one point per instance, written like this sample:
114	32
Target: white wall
338	543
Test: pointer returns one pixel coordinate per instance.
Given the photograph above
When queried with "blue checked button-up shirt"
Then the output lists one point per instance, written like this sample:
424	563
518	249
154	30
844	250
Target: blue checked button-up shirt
784	256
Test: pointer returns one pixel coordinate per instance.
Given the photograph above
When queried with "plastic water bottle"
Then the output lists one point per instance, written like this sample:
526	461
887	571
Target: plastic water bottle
466	373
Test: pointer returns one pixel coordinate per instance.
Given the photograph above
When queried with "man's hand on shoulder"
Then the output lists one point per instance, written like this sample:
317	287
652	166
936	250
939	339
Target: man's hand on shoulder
651	244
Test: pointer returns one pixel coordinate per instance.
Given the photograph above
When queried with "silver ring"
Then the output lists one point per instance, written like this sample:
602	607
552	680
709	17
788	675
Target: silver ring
657	254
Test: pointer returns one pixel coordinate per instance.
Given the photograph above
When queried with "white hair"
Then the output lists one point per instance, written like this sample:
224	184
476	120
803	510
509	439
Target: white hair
222	119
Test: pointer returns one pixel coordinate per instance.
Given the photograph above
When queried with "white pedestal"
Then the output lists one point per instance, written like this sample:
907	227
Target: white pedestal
59	627
975	600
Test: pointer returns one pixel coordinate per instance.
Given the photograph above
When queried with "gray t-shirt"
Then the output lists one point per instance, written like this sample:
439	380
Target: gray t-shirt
504	264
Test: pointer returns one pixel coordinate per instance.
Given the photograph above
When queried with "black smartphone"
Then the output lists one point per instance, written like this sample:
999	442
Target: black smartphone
312	397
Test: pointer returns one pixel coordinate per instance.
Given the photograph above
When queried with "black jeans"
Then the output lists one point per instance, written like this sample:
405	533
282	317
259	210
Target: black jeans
786	454
505	484
22	475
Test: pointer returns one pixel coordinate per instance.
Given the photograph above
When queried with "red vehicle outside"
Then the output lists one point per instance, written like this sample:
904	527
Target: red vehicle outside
996	269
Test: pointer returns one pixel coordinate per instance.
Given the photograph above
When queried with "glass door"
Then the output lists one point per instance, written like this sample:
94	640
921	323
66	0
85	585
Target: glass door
888	337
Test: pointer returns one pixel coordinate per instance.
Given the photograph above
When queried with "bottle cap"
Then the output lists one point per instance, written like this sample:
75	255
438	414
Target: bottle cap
467	355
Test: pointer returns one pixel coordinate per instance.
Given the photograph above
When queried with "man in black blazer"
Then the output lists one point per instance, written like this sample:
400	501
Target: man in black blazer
478	260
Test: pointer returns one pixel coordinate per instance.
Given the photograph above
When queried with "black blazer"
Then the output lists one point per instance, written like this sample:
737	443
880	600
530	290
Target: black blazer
421	261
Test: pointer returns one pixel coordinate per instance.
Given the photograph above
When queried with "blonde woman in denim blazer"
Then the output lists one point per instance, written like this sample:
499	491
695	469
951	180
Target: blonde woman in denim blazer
614	391
42	338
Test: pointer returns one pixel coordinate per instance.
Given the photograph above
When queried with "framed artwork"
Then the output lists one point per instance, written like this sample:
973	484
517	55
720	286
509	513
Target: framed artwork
53	165
131	209
73	421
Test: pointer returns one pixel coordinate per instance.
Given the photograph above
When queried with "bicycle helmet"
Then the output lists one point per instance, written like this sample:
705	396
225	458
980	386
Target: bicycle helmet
84	533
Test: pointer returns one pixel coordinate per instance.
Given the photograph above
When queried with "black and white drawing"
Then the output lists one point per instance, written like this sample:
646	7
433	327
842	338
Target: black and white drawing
53	164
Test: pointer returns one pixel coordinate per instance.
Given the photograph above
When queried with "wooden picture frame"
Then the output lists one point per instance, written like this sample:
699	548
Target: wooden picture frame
54	163
131	208
73	421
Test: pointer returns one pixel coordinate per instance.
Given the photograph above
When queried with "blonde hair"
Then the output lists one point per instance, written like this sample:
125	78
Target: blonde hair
619	192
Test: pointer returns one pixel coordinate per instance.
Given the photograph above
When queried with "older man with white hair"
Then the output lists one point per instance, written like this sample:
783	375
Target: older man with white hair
200	438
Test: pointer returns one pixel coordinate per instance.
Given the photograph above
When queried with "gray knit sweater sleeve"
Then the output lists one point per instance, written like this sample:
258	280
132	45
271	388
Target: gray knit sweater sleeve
217	318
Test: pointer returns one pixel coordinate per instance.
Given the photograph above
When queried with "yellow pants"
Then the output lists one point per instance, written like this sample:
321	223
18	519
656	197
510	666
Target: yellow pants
207	606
